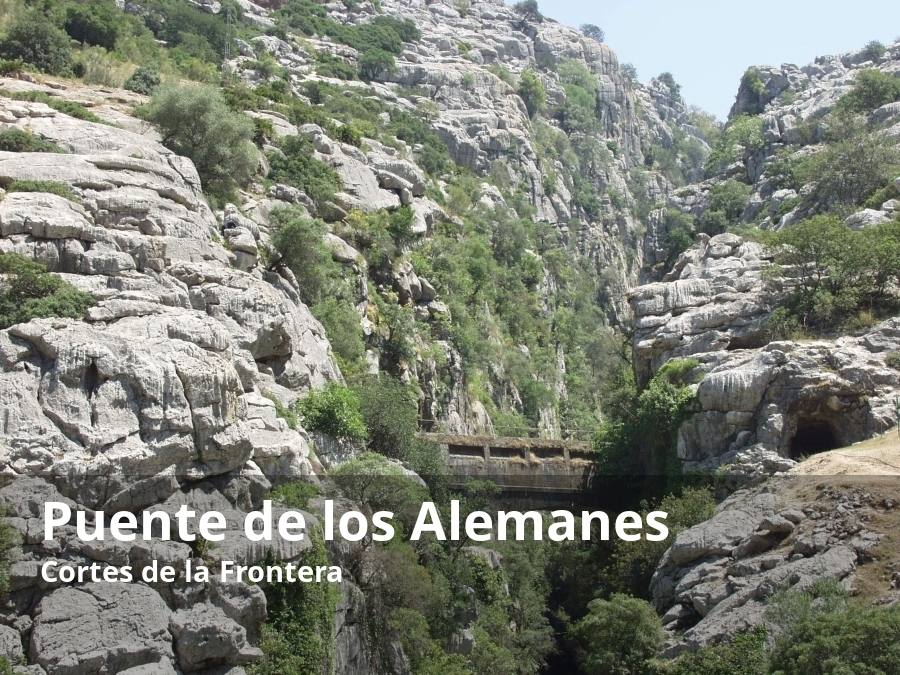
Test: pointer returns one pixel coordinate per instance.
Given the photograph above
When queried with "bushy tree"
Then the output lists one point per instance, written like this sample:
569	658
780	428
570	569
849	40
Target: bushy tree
195	121
297	166
94	23
618	636
594	32
629	72
745	654
838	271
334	410
145	80
532	92
37	41
669	81
872	89
28	291
860	640
632	564
874	50
298	243
528	9
342	325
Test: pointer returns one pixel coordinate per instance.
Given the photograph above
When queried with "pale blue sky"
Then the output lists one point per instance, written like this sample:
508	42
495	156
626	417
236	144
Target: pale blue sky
707	44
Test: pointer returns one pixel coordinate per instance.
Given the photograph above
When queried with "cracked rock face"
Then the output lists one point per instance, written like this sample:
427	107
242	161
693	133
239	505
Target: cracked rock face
159	397
757	397
719	576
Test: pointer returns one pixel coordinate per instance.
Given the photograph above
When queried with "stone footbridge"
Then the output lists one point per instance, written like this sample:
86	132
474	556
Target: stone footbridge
528	467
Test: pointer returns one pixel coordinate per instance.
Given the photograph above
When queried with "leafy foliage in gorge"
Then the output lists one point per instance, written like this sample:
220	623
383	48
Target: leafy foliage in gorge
299	245
144	80
631	564
334	410
299	168
298	637
743	134
639	436
726	204
194	120
532	92
745	654
28	291
618	636
854	163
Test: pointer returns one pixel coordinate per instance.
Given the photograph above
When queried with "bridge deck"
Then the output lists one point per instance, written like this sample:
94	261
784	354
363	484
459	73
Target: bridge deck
546	465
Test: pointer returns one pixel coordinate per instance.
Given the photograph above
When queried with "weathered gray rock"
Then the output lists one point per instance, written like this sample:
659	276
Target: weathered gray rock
100	627
716	579
206	637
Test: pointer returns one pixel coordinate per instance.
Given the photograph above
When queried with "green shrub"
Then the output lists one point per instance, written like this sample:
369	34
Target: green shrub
94	23
145	80
298	636
528	9
669	81
838	271
532	92
298	167
194	121
34	39
632	564
375	63
874	50
296	495
70	108
390	410
342	326
853	165
298	244
892	360
28	291
641	438
20	140
743	134
50	186
11	67
335	410
864	640
618	636
679	229
333	66
744	654
871	89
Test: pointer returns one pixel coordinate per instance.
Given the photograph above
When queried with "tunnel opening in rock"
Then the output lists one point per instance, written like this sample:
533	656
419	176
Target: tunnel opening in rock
813	436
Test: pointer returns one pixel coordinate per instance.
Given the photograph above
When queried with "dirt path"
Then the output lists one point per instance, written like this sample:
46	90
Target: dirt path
879	456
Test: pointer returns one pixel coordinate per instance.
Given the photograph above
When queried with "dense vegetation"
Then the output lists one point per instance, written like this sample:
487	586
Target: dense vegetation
28	291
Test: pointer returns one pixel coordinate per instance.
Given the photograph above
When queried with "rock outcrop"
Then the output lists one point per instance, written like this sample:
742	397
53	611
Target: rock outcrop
718	577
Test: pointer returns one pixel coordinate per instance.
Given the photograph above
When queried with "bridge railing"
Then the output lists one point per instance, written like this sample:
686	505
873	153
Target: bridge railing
510	431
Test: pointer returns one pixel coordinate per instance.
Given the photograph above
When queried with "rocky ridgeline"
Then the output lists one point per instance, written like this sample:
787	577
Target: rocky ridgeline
792	102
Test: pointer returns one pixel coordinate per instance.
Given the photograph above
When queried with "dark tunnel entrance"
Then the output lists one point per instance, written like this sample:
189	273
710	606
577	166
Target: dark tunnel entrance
812	436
